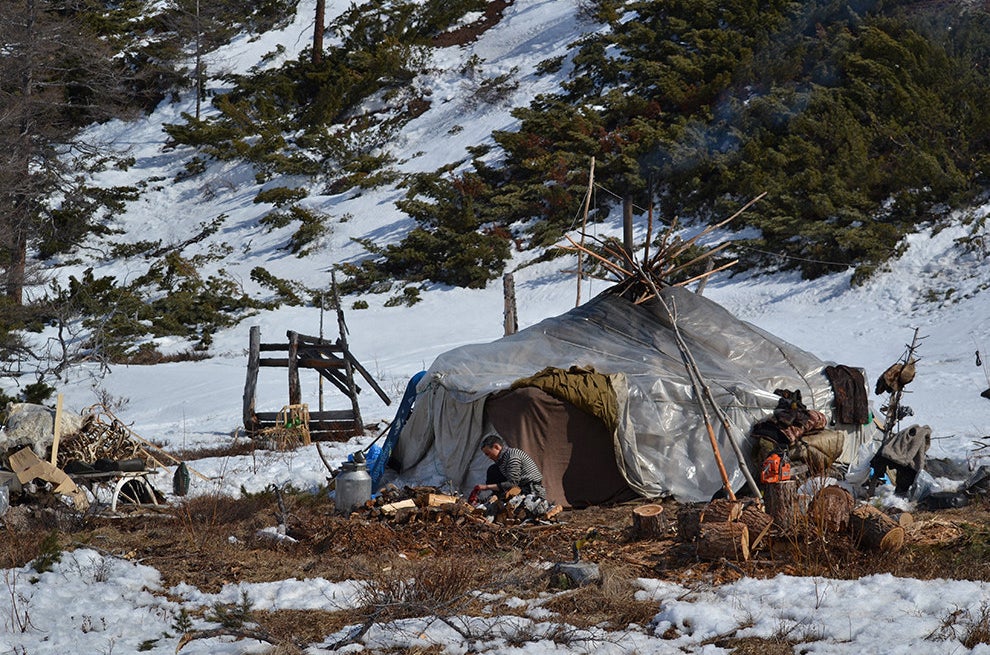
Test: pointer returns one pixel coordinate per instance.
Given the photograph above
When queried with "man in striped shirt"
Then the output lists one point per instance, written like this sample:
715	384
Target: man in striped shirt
512	468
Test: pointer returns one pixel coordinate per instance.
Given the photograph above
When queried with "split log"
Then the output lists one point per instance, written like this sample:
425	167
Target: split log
830	509
758	522
722	510
873	530
724	539
689	521
433	500
783	504
392	508
649	522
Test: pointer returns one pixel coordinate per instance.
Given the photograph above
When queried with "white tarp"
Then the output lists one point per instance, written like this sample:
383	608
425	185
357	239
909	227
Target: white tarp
662	445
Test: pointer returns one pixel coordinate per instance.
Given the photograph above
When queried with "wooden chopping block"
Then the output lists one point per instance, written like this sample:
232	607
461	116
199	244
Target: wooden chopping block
649	521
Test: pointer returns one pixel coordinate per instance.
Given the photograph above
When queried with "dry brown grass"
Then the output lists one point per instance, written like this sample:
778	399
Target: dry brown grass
432	569
611	603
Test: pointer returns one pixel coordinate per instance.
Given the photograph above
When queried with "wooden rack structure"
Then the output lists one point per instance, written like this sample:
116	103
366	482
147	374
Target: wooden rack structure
335	364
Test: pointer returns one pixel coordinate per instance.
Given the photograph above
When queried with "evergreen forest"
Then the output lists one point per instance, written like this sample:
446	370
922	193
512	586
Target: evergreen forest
859	121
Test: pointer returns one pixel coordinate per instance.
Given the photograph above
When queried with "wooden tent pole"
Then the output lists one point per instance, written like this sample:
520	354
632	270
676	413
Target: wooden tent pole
584	226
723	418
696	387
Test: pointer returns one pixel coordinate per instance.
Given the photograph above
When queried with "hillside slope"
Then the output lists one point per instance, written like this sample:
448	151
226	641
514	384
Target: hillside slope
937	285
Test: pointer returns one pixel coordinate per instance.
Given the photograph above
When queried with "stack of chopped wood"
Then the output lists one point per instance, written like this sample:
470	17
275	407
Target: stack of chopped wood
730	529
428	505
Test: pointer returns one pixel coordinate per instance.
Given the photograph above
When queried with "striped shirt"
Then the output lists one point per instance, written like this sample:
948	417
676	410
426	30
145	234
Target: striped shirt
520	471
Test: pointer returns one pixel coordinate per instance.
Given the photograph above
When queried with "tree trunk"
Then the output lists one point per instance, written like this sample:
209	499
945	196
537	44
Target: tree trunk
758	522
318	28
722	509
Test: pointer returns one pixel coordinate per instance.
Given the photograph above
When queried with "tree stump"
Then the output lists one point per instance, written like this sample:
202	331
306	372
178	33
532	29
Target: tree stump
758	522
830	509
782	504
873	530
649	522
723	539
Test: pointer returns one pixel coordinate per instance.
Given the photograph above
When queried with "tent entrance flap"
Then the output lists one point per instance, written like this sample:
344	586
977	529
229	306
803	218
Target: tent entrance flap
573	449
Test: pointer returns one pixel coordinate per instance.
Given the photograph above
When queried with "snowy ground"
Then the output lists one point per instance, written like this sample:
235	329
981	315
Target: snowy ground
92	603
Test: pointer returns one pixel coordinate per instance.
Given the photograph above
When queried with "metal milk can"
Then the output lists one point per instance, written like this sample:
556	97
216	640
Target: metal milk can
353	485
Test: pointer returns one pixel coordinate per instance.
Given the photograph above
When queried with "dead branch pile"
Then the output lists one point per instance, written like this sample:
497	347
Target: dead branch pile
104	438
427	505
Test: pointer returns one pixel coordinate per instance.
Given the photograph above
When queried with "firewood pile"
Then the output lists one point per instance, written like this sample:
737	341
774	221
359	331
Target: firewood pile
427	505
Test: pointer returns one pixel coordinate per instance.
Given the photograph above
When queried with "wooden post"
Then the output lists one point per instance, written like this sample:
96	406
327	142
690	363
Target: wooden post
295	391
584	227
509	292
254	358
627	225
57	429
348	365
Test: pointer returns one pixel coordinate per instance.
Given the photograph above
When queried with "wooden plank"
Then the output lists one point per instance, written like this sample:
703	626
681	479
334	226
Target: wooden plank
312	362
435	500
367	376
325	415
57	429
322	347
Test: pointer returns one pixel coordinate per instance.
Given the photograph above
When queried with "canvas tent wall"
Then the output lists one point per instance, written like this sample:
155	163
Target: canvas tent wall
659	445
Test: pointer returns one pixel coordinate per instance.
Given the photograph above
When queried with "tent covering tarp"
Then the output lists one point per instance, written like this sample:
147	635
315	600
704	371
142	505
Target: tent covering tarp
660	444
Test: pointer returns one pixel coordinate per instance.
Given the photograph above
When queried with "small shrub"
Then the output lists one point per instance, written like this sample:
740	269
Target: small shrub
37	392
360	304
286	289
410	296
50	553
280	196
